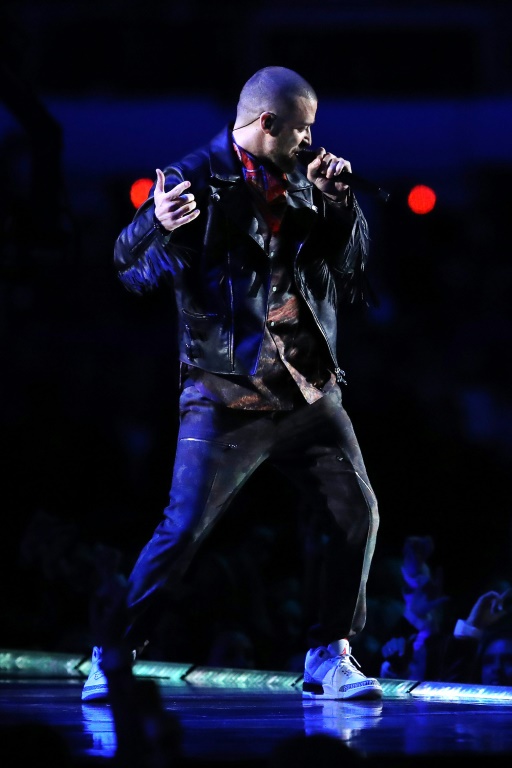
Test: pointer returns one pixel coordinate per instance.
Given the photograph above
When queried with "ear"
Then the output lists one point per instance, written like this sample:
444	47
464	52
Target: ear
267	120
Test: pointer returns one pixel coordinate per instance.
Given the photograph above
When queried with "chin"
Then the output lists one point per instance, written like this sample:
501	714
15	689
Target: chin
286	164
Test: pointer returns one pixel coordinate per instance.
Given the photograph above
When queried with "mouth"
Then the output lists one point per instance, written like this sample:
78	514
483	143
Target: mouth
305	155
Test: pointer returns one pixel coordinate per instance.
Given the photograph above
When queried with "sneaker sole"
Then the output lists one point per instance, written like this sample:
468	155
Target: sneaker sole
312	690
95	693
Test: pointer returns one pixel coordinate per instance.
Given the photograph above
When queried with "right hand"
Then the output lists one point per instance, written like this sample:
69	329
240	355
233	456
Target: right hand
324	172
175	207
488	609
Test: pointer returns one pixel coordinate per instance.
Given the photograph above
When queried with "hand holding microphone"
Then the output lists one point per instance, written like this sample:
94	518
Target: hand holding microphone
333	175
324	170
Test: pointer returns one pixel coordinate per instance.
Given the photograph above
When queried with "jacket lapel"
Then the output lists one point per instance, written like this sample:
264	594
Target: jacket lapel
230	191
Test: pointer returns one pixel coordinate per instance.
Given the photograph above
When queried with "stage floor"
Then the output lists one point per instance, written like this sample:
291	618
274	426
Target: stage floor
227	723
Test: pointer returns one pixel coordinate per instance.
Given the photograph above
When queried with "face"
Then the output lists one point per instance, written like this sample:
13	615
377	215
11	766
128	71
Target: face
497	663
291	132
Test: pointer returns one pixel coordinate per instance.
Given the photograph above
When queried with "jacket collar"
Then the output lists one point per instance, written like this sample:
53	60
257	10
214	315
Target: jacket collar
225	166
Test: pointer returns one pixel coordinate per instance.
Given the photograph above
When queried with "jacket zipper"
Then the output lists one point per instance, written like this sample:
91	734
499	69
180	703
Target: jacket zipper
209	442
232	315
338	372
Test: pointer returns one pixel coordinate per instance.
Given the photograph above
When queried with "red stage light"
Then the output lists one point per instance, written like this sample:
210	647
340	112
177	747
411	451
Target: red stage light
421	199
139	191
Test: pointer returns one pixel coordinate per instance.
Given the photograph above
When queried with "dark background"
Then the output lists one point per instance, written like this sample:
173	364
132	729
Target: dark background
97	94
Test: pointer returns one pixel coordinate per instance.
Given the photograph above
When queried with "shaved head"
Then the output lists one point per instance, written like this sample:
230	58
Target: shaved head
274	89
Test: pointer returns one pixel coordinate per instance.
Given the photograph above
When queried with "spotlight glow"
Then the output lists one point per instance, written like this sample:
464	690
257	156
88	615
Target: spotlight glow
139	191
421	199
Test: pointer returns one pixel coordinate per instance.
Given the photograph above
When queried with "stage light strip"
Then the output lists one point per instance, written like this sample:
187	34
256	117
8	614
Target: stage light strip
240	678
32	664
164	671
463	692
15	663
397	689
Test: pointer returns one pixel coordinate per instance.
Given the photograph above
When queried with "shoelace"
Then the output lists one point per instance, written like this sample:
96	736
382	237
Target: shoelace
349	659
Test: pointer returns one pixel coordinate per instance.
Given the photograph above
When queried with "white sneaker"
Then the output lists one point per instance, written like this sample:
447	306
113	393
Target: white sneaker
96	685
331	673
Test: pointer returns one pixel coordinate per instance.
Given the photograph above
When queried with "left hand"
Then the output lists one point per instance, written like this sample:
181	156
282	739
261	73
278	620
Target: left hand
323	172
394	647
422	605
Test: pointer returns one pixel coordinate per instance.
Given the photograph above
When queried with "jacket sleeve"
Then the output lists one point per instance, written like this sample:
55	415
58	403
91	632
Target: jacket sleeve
144	253
350	265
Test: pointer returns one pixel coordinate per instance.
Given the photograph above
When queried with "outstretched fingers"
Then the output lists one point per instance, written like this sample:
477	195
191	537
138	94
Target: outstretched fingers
175	207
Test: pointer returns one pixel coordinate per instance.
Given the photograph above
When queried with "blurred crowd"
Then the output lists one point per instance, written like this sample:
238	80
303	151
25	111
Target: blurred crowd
238	610
248	604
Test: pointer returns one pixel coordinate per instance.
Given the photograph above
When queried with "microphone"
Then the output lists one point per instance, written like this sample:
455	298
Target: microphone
353	180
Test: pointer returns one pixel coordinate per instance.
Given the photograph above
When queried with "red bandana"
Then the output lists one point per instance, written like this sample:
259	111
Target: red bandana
272	188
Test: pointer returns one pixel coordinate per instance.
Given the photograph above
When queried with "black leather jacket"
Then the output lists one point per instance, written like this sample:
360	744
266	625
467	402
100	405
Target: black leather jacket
218	267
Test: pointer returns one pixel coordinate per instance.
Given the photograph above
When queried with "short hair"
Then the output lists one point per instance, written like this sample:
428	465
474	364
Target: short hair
272	89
